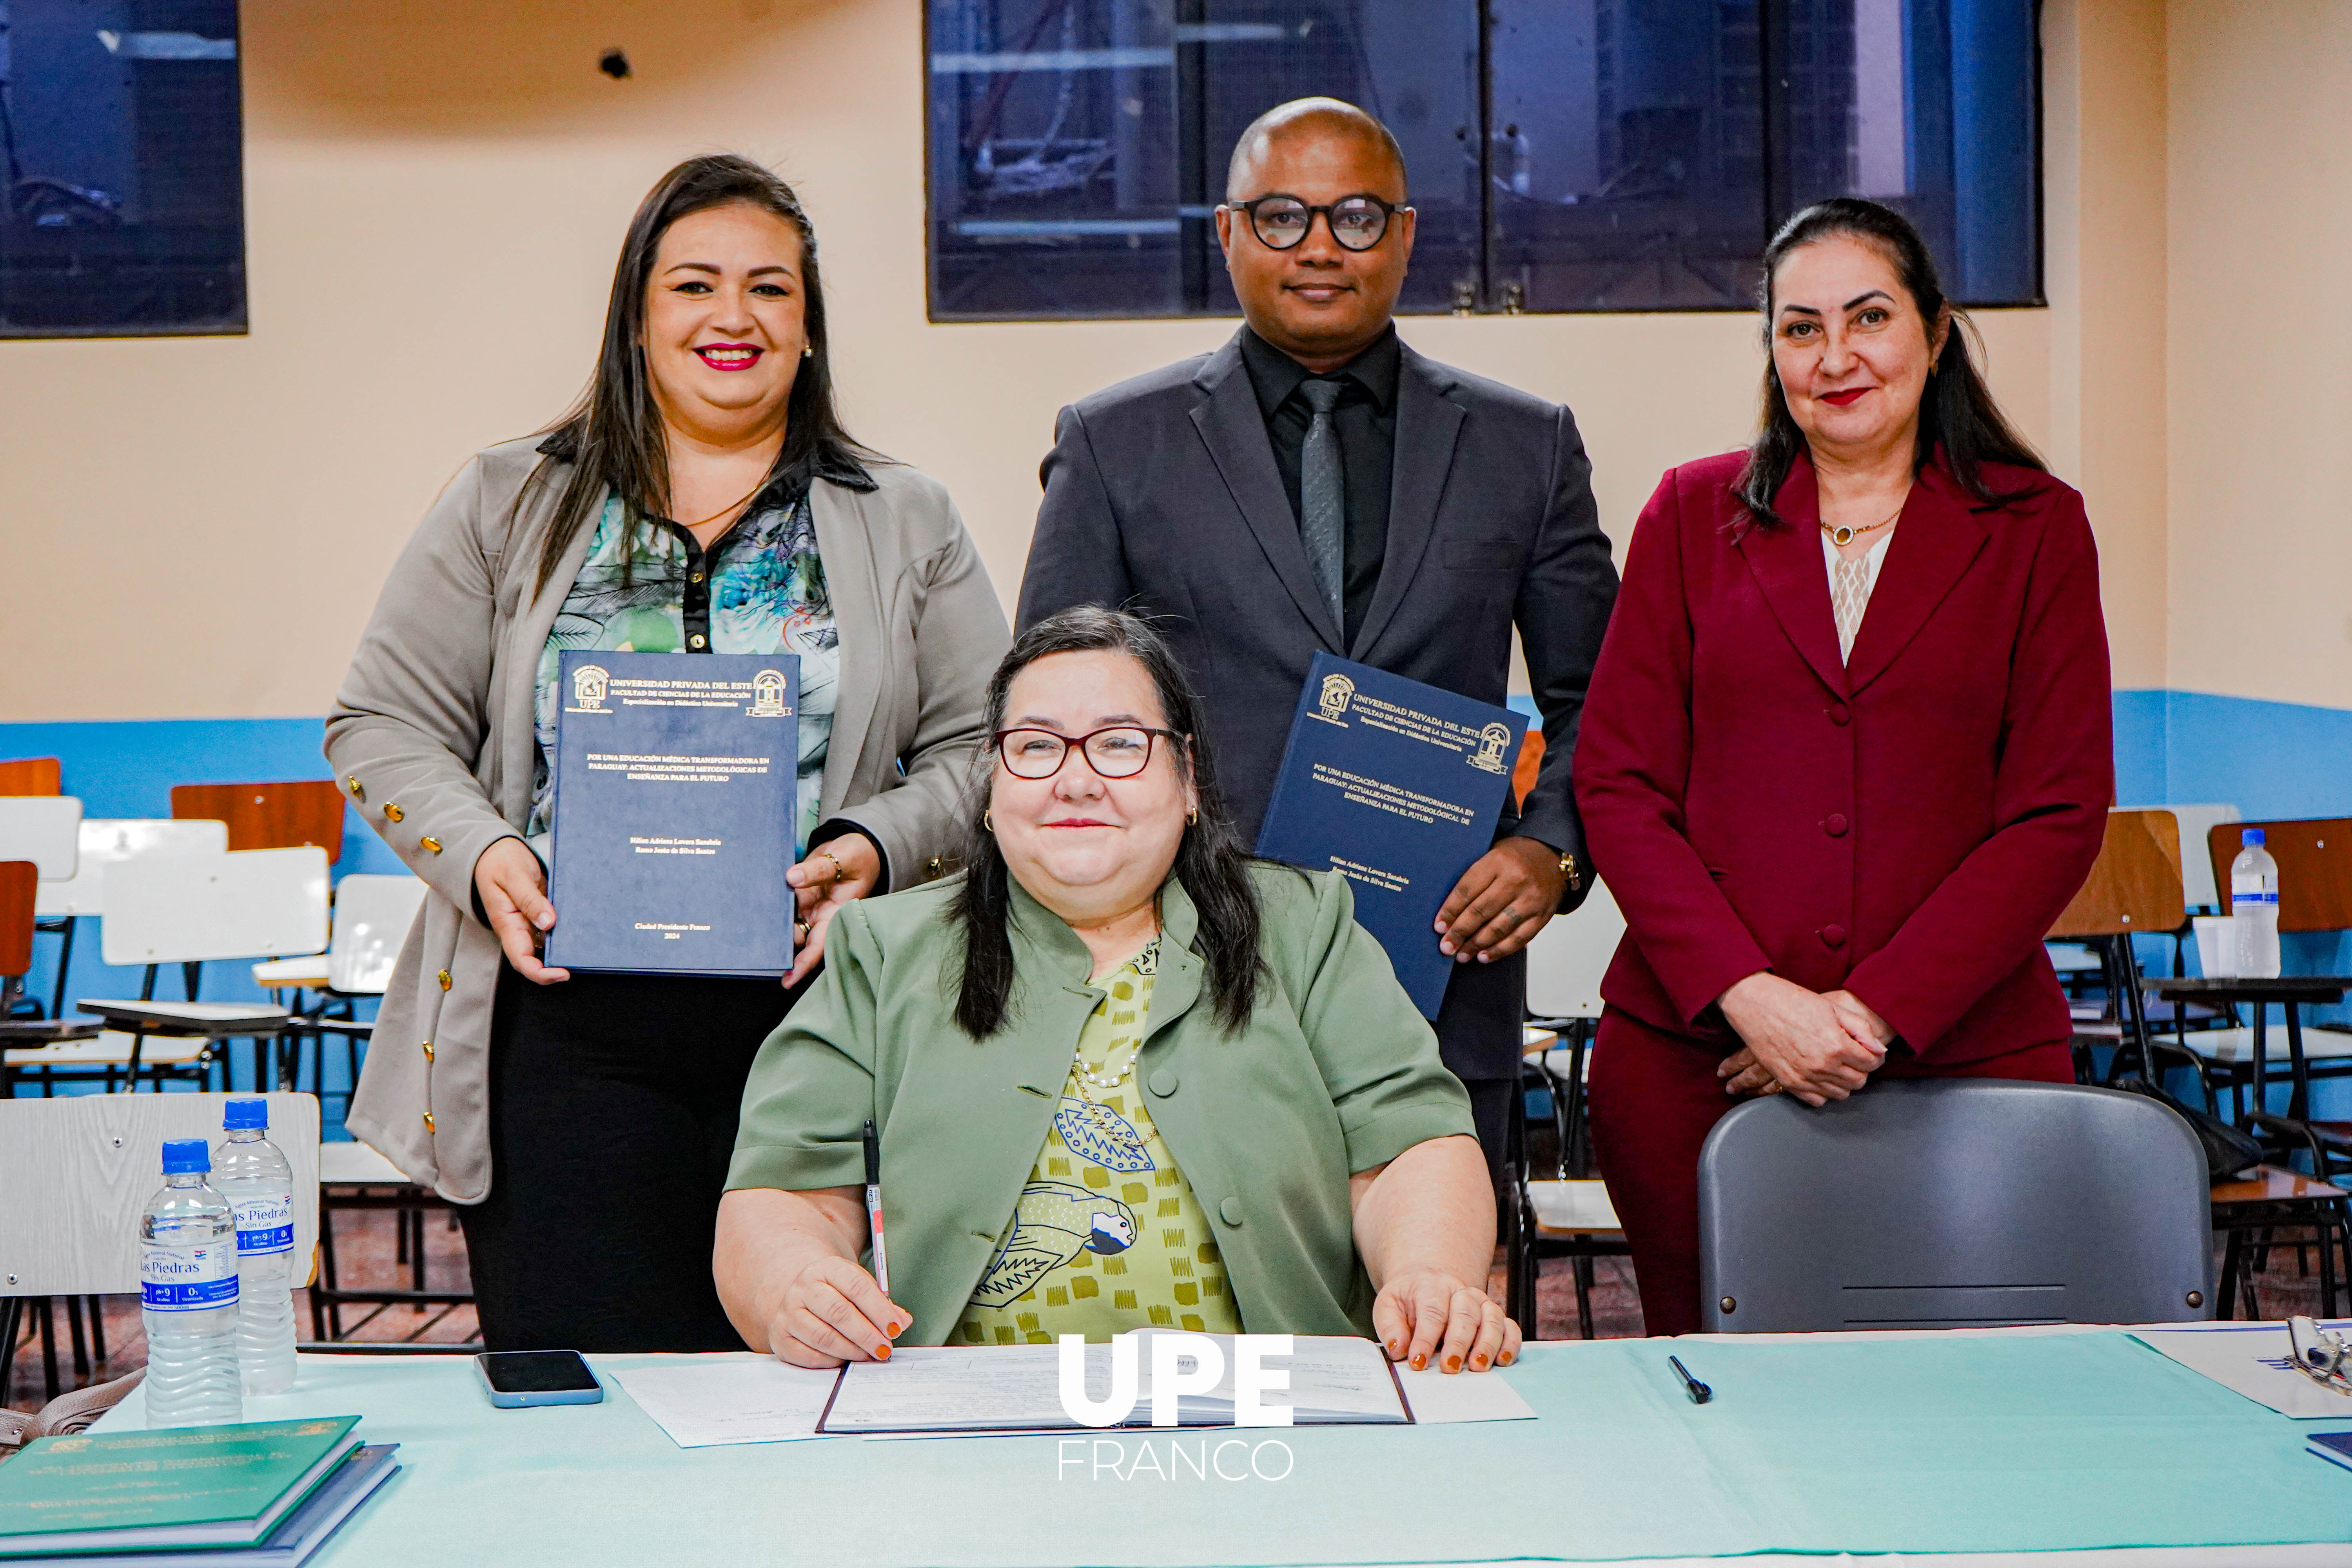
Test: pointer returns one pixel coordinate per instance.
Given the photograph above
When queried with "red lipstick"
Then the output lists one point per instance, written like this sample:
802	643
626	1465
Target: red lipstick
730	356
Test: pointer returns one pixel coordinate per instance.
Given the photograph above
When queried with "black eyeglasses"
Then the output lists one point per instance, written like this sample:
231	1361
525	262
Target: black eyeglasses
1120	752
1280	221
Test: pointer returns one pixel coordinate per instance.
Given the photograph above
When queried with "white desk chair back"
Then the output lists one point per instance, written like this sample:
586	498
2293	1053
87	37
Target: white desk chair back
2197	822
247	903
108	841
1566	960
43	828
78	1171
372	915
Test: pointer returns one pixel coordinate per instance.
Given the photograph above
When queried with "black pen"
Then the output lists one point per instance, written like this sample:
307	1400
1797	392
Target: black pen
1699	1393
873	1205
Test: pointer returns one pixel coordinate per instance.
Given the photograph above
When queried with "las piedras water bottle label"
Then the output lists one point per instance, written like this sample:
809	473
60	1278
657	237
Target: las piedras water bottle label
265	1225
2255	889
187	1278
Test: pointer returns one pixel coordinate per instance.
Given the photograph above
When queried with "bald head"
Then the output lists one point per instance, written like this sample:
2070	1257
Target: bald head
1305	121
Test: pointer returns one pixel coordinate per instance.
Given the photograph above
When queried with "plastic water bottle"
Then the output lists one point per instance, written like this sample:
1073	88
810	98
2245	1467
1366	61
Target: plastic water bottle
251	1172
2254	899
187	1287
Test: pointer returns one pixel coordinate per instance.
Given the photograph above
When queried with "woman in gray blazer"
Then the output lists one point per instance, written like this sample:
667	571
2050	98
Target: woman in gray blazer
701	497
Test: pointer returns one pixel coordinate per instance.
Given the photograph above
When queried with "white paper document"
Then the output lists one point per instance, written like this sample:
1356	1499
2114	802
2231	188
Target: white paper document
2254	1361
1441	1398
704	1405
922	1388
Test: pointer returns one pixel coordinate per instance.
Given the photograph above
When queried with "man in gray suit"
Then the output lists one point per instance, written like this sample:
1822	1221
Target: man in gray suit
1317	484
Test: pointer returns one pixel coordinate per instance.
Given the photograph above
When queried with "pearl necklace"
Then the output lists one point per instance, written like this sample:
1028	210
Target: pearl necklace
1077	1054
1087	1075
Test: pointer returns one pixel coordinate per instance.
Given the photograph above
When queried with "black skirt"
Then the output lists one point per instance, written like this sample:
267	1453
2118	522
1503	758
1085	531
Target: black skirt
613	1101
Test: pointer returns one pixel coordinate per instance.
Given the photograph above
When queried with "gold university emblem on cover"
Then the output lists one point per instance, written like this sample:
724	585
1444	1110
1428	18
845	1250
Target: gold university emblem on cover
1337	692
1490	754
768	696
588	687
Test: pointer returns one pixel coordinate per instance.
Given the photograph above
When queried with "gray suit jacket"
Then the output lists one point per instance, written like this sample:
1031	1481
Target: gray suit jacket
1162	493
432	736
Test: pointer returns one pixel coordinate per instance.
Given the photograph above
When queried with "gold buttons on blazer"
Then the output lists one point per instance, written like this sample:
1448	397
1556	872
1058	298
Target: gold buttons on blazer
444	980
431	843
428	1050
392	809
428	1121
357	793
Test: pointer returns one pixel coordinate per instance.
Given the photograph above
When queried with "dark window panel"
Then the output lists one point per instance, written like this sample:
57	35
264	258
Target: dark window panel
1632	154
123	178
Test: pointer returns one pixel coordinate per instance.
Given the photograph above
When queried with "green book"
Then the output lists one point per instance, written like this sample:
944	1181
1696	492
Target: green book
176	1485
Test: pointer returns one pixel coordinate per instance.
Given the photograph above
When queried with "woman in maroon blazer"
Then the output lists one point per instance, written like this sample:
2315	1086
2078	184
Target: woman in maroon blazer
1847	752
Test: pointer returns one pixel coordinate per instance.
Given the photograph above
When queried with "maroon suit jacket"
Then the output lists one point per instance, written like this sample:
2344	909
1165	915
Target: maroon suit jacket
1905	825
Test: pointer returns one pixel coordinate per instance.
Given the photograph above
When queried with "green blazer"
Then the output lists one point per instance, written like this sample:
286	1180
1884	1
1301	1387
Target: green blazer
1335	1073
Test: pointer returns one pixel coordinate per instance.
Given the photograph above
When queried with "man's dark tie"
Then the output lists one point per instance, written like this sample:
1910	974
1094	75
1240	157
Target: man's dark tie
1323	498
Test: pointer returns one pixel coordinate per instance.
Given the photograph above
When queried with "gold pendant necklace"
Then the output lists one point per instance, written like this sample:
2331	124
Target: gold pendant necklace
1845	533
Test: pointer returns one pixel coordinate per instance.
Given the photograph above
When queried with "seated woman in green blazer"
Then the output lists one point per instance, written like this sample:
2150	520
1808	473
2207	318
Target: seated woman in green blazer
1123	1076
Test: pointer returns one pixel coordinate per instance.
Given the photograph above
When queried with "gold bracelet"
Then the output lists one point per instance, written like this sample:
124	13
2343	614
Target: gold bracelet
1568	869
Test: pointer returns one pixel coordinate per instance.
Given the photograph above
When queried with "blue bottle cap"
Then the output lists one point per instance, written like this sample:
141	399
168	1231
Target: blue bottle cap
182	1155
244	1114
2251	835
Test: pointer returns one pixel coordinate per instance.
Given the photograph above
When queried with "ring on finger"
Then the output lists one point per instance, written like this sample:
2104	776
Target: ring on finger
800	933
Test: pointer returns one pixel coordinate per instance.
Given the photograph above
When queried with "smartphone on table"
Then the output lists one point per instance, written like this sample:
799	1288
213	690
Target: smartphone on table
517	1378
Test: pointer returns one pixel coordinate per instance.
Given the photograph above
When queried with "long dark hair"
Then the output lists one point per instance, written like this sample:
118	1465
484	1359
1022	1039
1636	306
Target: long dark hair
613	435
1957	411
1209	859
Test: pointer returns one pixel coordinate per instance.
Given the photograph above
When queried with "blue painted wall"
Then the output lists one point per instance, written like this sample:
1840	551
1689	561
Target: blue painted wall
2270	758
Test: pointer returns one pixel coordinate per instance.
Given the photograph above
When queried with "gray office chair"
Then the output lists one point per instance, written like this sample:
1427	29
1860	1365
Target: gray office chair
1958	1203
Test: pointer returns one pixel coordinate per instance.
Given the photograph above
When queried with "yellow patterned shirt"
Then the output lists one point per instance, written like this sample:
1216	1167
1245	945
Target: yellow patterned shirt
1106	1235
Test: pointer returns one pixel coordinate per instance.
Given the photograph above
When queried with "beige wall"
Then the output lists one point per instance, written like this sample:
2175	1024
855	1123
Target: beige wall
435	195
2260	350
2103	199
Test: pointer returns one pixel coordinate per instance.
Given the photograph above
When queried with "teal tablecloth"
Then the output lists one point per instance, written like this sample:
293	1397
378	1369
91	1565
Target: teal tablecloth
1961	1443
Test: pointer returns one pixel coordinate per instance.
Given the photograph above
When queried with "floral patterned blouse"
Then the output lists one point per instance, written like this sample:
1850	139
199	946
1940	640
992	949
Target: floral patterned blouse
758	589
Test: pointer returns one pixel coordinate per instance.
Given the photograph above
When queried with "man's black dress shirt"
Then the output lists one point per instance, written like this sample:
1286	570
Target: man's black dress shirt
1366	418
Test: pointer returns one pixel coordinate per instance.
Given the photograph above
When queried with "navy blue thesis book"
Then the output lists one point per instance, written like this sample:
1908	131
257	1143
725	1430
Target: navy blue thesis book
1397	785
676	785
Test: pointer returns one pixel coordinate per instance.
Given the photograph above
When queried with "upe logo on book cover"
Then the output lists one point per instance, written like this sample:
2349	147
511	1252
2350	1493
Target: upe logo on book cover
589	683
1490	754
768	696
1332	703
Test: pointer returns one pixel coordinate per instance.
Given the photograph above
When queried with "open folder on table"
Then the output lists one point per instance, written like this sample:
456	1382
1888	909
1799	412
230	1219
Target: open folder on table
1333	1381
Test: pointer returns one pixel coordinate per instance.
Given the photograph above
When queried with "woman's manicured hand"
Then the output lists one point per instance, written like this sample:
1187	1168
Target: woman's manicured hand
830	1312
1428	1317
512	887
835	872
1798	1040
